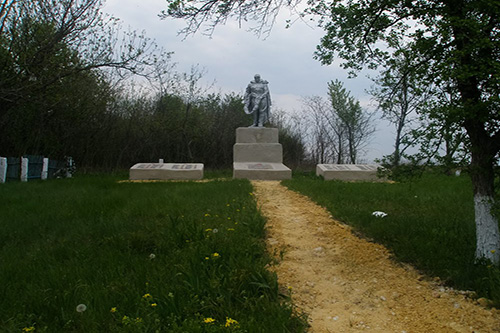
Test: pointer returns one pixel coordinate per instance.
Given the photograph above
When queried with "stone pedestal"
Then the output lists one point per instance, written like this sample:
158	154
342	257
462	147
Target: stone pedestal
258	155
348	172
166	171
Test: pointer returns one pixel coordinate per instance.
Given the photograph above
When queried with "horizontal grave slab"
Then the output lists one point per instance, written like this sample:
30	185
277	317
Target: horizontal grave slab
348	172
166	171
261	171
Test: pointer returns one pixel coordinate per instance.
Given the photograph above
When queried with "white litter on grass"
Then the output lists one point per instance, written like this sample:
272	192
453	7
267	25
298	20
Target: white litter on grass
379	214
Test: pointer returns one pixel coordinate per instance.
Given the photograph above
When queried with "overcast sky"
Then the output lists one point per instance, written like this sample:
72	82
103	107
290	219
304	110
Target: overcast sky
233	55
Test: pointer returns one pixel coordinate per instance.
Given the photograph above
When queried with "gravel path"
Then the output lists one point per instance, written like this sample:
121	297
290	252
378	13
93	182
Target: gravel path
347	284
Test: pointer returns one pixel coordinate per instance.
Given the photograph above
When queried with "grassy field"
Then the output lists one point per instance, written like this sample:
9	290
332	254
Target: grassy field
429	223
90	254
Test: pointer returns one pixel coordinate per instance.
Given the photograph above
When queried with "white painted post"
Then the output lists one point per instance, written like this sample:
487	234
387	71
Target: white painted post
45	168
161	161
24	169
3	170
69	167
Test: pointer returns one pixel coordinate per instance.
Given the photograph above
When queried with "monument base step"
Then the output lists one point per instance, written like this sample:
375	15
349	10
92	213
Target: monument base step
261	171
348	172
166	171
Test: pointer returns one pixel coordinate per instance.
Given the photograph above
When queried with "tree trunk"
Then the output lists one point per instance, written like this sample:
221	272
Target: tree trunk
483	180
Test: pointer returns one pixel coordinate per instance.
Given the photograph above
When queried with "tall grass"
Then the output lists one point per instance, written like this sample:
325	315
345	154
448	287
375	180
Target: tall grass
430	223
147	257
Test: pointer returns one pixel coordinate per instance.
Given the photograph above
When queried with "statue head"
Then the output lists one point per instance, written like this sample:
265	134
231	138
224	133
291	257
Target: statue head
257	77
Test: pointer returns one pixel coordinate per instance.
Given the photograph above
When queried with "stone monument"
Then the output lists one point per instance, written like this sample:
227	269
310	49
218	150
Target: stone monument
257	153
166	171
348	172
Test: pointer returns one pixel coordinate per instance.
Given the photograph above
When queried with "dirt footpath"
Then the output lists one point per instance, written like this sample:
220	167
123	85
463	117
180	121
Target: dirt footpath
347	284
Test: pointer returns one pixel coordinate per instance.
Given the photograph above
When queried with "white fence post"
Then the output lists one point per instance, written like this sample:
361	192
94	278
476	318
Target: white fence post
24	169
3	169
69	167
161	161
45	168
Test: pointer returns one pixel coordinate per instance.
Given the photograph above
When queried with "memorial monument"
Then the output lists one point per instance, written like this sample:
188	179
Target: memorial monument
257	153
257	101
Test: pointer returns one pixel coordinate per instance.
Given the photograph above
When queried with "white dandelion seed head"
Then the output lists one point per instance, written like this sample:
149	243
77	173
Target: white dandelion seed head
81	308
152	256
215	231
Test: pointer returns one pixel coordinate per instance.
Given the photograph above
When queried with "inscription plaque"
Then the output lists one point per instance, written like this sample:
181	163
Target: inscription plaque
260	166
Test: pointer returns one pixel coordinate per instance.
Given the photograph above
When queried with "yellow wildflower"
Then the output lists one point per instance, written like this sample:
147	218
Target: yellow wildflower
147	296
493	251
215	255
29	329
113	310
230	322
209	320
208	230
207	215
153	305
230	229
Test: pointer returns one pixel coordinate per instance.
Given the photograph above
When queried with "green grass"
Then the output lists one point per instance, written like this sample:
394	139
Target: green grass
430	223
142	257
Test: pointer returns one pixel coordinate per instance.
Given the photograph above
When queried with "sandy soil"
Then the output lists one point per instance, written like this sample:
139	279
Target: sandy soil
348	284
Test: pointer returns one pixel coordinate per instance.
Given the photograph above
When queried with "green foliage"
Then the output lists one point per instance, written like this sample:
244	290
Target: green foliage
141	257
430	224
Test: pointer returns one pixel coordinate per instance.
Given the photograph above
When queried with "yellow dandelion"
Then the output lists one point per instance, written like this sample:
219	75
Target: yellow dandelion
113	310
207	215
215	255
147	296
208	230
230	322
207	258
29	329
230	229
209	320
228	205
153	305
493	251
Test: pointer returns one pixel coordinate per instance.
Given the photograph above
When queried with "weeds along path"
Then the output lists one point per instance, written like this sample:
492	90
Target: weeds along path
348	284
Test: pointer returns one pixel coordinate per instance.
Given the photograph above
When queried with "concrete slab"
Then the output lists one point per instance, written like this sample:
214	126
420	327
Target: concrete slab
348	172
166	171
256	135
261	171
261	152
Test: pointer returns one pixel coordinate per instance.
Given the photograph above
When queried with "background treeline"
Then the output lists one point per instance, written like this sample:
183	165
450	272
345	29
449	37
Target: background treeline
74	83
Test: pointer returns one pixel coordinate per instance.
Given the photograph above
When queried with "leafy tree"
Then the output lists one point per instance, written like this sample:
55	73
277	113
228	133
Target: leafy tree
453	41
353	124
400	95
52	60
